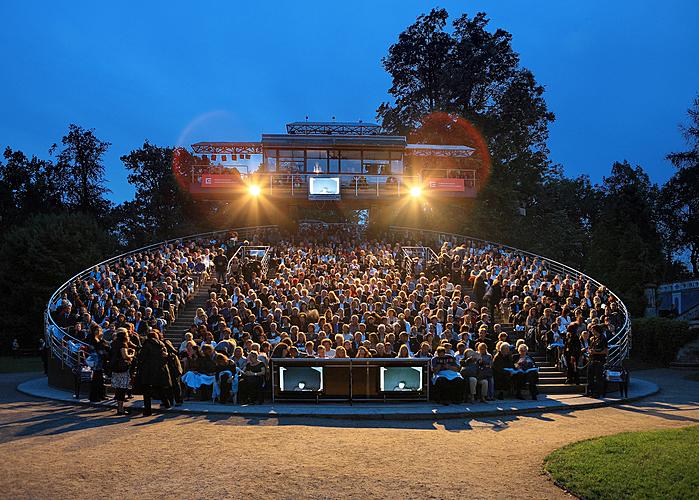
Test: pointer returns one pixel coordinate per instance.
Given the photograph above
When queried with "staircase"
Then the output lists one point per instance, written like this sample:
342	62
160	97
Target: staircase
551	379
175	332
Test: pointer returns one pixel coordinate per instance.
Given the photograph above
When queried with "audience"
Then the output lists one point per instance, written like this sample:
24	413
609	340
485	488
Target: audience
335	294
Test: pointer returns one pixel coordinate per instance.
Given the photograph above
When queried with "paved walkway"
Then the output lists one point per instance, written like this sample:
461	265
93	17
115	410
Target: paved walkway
638	388
55	449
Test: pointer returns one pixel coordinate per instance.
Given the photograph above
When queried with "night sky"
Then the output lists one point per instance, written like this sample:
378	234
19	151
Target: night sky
618	75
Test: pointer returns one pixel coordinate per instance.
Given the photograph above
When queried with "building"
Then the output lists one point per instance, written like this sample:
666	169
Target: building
352	165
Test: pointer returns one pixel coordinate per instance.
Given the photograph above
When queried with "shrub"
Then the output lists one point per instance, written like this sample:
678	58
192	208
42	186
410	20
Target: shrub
657	340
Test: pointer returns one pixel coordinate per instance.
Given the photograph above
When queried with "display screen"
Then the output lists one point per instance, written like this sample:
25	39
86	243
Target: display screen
320	186
301	378
401	379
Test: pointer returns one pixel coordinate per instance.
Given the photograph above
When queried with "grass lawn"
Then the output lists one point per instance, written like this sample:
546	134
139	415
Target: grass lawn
655	464
9	364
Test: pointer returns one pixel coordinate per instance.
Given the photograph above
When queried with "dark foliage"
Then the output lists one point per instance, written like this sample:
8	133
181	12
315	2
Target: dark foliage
657	340
36	257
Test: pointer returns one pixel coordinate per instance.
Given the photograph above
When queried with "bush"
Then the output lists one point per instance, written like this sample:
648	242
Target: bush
657	340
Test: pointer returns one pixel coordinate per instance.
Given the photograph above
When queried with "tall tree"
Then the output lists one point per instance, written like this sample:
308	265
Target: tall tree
160	207
473	73
625	248
29	186
81	159
679	201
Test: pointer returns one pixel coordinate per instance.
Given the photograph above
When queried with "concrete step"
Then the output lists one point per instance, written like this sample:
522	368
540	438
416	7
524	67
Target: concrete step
546	388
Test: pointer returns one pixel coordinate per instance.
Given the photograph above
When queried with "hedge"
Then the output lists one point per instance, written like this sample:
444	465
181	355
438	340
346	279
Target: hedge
657	340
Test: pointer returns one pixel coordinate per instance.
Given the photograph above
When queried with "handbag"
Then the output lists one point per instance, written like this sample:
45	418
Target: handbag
85	374
119	364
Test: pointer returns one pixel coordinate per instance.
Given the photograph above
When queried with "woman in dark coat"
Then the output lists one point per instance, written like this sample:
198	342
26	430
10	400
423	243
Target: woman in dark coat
153	375
571	352
501	361
99	353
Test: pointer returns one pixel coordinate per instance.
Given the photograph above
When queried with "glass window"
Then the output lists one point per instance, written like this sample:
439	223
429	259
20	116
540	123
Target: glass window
290	161
396	163
334	162
316	161
376	162
271	160
351	162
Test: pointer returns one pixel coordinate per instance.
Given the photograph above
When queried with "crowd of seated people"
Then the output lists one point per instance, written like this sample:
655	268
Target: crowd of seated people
332	294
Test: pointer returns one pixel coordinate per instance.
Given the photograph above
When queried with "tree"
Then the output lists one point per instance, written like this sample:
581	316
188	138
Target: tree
474	74
161	208
625	248
29	186
80	160
36	257
679	200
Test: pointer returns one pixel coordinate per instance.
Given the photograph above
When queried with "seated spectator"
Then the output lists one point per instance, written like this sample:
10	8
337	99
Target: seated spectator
501	363
525	372
447	382
252	382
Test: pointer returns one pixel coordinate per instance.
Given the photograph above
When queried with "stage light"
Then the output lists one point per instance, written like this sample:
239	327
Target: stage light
254	190
416	191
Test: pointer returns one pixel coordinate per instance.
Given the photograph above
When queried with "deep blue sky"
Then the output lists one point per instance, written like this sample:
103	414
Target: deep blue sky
619	75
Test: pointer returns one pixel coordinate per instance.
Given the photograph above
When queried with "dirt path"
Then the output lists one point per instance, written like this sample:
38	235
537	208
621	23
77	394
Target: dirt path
55	451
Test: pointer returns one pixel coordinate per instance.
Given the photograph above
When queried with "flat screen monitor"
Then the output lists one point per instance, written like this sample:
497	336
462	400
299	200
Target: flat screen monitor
400	379
301	378
324	186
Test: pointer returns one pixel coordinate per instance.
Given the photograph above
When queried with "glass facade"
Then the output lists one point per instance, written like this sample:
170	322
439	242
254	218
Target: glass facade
322	161
351	162
317	161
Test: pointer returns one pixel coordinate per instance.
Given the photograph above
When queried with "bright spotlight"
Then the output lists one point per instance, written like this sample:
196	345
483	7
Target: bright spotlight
415	191
254	190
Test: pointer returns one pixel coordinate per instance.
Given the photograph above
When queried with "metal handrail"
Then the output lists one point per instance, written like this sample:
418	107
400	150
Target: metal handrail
620	342
240	251
66	347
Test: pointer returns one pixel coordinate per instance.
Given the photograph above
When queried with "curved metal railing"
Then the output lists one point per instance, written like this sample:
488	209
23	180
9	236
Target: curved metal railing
69	349
619	343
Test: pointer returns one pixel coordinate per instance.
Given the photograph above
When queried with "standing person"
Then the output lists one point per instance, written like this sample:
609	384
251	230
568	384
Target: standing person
598	356
44	353
221	265
571	352
121	359
99	351
152	374
175	369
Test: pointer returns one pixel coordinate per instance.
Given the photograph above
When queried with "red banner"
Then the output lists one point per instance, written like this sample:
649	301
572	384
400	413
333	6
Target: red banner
444	184
220	181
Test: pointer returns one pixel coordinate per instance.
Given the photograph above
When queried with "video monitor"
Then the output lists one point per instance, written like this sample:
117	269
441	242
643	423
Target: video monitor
301	378
324	186
400	379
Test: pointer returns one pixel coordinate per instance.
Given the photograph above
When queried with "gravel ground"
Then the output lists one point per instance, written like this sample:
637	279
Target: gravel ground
53	450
